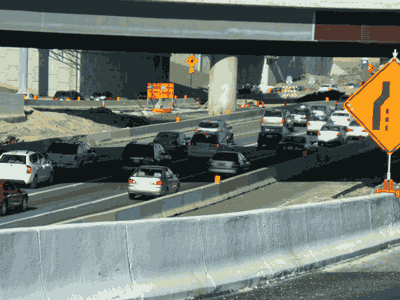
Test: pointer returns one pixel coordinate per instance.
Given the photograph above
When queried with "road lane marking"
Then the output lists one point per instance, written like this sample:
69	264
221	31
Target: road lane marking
67	186
64	209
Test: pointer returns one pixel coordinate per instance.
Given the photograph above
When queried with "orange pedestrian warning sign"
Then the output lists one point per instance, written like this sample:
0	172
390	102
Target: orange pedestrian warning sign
376	106
191	61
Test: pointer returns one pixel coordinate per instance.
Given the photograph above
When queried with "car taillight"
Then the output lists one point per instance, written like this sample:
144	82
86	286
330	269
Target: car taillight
348	120
220	130
151	158
215	145
131	181
319	133
195	130
349	129
159	183
55	98
189	144
283	120
338	134
69	99
262	119
308	123
364	130
28	170
307	117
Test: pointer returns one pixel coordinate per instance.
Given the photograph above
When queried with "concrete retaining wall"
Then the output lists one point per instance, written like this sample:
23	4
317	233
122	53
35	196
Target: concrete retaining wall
187	257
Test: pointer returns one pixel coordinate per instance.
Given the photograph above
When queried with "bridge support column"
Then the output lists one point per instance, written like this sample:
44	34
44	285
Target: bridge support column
23	70
44	72
222	85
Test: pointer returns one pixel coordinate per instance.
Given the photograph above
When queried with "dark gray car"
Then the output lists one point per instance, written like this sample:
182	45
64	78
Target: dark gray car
174	142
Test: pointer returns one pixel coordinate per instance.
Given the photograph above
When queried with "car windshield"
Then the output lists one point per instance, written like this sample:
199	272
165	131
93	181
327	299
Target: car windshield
273	129
137	150
340	115
144	172
63	148
318	118
59	94
300	111
13	159
208	125
204	138
271	113
167	135
225	156
294	139
330	128
325	85
354	123
96	94
344	97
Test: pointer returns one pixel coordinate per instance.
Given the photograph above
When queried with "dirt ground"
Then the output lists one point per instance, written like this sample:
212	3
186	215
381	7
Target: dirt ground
43	125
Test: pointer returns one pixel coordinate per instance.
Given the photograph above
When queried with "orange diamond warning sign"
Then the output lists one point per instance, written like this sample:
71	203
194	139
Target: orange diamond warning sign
191	61
376	106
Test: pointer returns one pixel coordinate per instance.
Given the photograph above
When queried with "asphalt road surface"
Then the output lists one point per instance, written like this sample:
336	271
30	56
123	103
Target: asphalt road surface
103	187
332	180
374	277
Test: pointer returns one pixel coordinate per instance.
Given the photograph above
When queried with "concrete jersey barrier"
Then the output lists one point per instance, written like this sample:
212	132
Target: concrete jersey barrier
188	257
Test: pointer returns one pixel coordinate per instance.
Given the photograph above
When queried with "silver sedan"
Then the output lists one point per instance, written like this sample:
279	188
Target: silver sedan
153	181
228	162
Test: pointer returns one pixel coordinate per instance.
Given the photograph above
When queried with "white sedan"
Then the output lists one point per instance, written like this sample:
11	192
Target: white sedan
341	117
356	132
153	181
315	123
332	135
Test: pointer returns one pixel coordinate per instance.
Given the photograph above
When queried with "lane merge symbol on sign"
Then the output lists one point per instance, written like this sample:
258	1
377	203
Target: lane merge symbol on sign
376	115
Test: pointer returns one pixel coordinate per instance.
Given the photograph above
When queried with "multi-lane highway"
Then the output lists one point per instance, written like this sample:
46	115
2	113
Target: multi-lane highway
103	186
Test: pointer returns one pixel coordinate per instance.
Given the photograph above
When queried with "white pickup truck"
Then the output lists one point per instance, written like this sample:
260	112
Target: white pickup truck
26	167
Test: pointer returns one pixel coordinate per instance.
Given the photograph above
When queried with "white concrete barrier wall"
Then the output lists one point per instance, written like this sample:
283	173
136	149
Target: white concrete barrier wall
186	257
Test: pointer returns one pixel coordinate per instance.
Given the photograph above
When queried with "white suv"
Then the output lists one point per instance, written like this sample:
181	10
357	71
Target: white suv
327	88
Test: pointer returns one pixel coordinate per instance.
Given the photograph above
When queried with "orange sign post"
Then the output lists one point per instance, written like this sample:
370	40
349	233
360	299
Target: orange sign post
191	61
371	104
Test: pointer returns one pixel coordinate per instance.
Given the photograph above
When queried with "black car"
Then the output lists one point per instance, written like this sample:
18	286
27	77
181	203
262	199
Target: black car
100	96
67	96
270	136
136	154
174	142
294	144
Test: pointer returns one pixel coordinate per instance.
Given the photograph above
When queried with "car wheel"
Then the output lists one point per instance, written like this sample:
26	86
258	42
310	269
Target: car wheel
24	204
51	178
34	183
3	210
131	196
178	189
166	192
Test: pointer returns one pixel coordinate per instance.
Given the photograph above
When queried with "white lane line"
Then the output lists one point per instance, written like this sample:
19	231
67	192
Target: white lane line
64	209
67	186
51	190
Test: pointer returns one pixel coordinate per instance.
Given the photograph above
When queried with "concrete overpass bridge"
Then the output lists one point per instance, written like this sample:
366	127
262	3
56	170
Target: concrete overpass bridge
225	29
